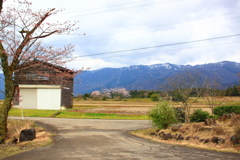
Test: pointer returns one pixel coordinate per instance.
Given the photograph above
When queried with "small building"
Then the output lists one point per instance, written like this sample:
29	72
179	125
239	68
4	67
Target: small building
41	85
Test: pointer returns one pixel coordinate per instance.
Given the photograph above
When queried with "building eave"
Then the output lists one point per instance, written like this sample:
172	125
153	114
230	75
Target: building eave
25	86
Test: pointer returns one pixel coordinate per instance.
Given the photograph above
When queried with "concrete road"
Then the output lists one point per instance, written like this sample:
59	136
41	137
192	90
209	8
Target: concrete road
91	139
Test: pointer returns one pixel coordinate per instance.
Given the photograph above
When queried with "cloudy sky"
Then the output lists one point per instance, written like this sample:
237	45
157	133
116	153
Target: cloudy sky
132	32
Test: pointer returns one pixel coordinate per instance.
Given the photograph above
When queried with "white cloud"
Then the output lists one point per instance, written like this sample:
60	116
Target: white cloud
149	23
93	64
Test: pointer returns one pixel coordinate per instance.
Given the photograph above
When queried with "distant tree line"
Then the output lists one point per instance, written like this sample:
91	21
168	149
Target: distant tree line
145	93
231	91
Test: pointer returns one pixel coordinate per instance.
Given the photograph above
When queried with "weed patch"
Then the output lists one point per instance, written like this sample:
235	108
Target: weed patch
32	113
197	135
14	128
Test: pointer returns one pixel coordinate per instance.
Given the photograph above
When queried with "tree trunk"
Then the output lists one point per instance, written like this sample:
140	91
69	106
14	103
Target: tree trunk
187	111
1	3
187	120
9	92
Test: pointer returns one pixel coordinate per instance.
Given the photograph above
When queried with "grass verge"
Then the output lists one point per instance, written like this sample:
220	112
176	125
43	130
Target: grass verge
32	113
66	114
69	114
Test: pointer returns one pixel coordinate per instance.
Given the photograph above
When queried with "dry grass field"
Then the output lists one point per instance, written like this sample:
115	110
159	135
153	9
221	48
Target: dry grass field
140	106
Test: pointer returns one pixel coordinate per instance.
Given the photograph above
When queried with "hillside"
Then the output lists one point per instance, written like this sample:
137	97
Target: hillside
144	77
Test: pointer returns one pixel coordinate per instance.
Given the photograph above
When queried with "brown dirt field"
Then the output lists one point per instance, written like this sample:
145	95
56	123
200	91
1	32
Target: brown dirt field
138	107
130	110
117	110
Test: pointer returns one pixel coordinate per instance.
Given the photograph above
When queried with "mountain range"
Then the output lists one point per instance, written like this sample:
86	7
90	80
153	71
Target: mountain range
150	77
147	77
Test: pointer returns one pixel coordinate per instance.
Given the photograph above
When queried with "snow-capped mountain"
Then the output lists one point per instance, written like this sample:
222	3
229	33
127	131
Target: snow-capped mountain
150	77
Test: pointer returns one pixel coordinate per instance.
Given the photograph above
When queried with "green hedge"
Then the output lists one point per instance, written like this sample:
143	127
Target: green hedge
213	116
220	110
199	115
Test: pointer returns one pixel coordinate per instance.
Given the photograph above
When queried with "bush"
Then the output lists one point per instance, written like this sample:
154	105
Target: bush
220	110
155	97
199	115
162	115
213	116
86	96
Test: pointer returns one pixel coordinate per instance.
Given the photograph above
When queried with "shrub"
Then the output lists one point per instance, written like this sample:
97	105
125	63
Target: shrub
104	98
162	115
86	96
213	116
155	97
220	110
199	115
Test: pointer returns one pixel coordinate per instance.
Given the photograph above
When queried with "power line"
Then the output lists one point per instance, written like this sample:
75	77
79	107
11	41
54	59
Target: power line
104	7
165	45
113	10
148	33
174	23
169	50
156	27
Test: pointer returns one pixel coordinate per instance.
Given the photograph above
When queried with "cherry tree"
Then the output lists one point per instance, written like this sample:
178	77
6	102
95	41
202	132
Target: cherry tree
96	95
118	93
106	93
20	35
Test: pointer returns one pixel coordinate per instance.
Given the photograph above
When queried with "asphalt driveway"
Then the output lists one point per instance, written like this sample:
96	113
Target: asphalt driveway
92	139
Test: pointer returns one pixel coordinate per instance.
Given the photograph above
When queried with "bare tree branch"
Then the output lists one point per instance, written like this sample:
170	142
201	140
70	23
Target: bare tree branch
43	36
26	40
185	88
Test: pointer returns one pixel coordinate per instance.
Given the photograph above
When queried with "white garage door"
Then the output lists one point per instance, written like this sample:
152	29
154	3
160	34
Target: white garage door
49	99
40	97
28	98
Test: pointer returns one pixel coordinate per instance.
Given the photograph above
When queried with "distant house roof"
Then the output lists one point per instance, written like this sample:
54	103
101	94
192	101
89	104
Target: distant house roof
35	63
